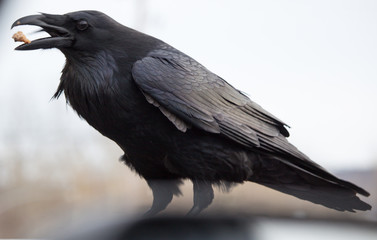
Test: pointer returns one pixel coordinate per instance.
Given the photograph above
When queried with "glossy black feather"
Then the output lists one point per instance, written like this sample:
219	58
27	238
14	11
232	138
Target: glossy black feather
203	99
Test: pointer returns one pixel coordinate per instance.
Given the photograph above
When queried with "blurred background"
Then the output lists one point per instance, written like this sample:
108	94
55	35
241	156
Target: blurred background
310	63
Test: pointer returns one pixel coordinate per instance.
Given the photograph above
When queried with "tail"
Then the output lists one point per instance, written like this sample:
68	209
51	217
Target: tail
313	184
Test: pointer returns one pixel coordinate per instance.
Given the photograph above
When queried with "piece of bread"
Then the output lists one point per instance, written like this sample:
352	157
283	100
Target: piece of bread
20	37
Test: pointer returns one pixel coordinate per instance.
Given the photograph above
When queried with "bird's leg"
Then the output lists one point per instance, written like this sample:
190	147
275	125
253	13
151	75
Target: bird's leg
203	196
163	191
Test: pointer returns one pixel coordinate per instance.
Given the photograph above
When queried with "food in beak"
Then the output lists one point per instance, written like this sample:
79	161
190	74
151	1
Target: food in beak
20	37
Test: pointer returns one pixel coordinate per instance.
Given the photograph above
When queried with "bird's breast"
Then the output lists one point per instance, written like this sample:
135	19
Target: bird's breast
108	99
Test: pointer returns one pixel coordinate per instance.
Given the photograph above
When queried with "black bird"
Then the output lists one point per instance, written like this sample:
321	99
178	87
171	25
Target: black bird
174	119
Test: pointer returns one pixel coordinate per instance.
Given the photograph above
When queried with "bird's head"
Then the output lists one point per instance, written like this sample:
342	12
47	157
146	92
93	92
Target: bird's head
83	30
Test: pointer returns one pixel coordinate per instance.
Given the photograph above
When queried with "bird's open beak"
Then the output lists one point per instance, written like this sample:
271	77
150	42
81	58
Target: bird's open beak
53	25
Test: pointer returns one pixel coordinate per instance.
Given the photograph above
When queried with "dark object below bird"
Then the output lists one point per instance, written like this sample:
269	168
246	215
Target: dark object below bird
175	119
217	227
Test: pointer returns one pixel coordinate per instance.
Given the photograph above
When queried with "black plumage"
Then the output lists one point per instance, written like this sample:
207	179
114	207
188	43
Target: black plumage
175	119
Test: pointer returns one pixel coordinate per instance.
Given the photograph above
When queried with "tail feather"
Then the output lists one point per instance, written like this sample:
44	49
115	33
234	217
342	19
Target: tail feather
279	174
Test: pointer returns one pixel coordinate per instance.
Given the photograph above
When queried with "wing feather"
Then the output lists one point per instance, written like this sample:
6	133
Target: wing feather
185	90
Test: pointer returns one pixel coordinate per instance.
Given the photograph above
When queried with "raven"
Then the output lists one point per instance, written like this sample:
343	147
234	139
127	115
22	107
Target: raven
174	119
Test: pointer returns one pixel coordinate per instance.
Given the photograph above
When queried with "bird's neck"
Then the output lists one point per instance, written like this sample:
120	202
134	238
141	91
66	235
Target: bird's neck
88	81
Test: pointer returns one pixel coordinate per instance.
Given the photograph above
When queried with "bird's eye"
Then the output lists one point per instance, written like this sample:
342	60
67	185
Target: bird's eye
82	25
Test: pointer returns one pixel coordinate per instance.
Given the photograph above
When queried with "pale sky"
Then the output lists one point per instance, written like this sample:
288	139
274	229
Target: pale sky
313	64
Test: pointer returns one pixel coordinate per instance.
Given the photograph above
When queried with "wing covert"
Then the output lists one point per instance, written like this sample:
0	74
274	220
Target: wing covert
178	84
